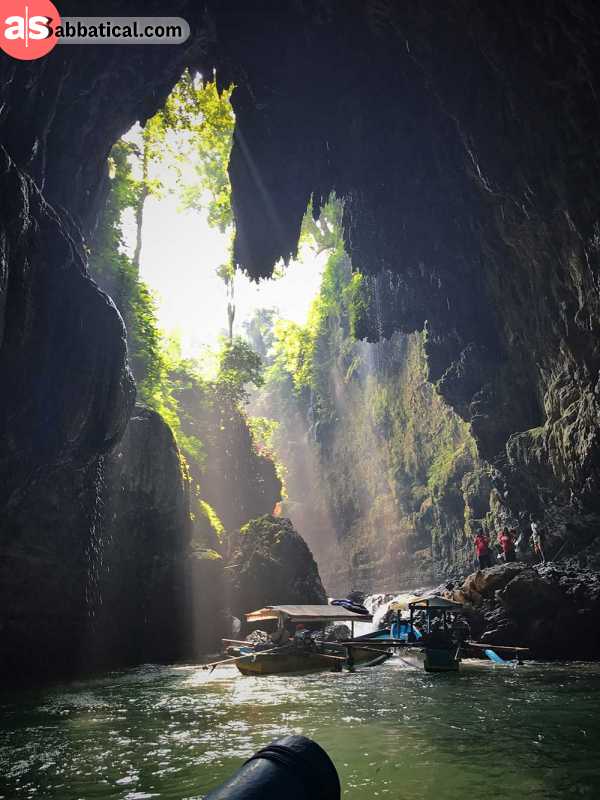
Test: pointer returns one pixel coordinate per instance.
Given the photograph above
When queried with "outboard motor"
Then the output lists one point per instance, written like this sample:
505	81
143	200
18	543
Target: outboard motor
294	768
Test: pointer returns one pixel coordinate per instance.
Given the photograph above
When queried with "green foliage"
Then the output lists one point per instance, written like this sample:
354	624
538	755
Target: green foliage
207	532
259	332
358	300
263	430
239	366
192	134
213	519
447	461
116	274
202	123
324	233
292	354
194	127
208	121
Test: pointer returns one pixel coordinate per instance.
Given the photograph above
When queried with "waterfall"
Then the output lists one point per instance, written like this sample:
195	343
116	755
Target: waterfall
378	605
94	552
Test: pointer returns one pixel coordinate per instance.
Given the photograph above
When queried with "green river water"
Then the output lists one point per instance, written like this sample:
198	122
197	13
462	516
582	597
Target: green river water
175	732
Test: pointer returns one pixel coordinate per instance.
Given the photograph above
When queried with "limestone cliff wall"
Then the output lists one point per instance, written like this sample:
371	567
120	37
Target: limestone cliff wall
382	478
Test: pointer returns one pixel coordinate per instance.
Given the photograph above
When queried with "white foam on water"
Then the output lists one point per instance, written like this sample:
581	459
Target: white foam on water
379	605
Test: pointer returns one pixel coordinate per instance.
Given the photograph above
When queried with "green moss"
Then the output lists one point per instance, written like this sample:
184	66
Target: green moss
205	554
212	518
357	298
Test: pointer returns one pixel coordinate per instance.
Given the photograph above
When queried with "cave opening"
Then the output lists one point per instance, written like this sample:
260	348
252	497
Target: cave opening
363	484
440	379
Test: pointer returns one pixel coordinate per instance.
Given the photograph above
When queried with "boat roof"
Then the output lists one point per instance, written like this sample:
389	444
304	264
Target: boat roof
435	602
307	614
404	603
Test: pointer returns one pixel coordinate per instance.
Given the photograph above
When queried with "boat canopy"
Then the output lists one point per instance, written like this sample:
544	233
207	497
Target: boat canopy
307	614
435	602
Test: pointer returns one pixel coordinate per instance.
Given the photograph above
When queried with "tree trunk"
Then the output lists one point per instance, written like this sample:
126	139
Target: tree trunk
139	211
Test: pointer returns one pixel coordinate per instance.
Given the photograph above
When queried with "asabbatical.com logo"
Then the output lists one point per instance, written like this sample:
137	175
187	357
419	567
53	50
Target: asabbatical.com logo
27	29
32	28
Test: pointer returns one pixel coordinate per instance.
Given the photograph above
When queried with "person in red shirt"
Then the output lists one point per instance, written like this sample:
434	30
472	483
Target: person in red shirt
482	548
506	542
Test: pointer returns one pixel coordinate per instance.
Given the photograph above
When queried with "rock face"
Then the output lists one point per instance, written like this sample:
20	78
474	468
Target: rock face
103	572
67	391
272	565
465	206
45	576
383	479
143	540
552	610
239	482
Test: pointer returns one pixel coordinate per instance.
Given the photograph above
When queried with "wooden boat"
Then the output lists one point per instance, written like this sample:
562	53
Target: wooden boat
294	657
294	660
436	649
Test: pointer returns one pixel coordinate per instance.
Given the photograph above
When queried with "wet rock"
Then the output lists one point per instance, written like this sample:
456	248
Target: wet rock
144	609
504	633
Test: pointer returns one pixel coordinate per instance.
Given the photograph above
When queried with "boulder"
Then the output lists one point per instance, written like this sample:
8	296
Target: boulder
528	594
554	613
272	565
485	582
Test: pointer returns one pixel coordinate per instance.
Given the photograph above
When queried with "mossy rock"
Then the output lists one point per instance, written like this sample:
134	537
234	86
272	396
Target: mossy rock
272	565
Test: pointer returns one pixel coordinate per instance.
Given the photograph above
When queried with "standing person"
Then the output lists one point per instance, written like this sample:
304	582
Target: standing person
522	544
482	548
507	544
537	540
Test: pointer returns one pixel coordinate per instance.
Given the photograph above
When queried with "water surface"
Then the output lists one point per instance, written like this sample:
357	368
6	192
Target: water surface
175	732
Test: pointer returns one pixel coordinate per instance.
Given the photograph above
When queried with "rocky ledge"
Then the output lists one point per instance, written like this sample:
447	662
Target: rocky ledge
552	609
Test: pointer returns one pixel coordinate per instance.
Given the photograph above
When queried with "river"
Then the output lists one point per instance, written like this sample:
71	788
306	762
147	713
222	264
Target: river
175	732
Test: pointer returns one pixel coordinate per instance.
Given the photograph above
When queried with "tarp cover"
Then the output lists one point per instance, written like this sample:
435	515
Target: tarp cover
307	614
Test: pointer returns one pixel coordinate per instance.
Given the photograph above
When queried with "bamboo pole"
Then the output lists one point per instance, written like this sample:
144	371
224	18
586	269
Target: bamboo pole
214	664
483	646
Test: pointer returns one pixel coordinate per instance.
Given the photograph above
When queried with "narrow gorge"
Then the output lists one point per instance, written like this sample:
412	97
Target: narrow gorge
447	378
